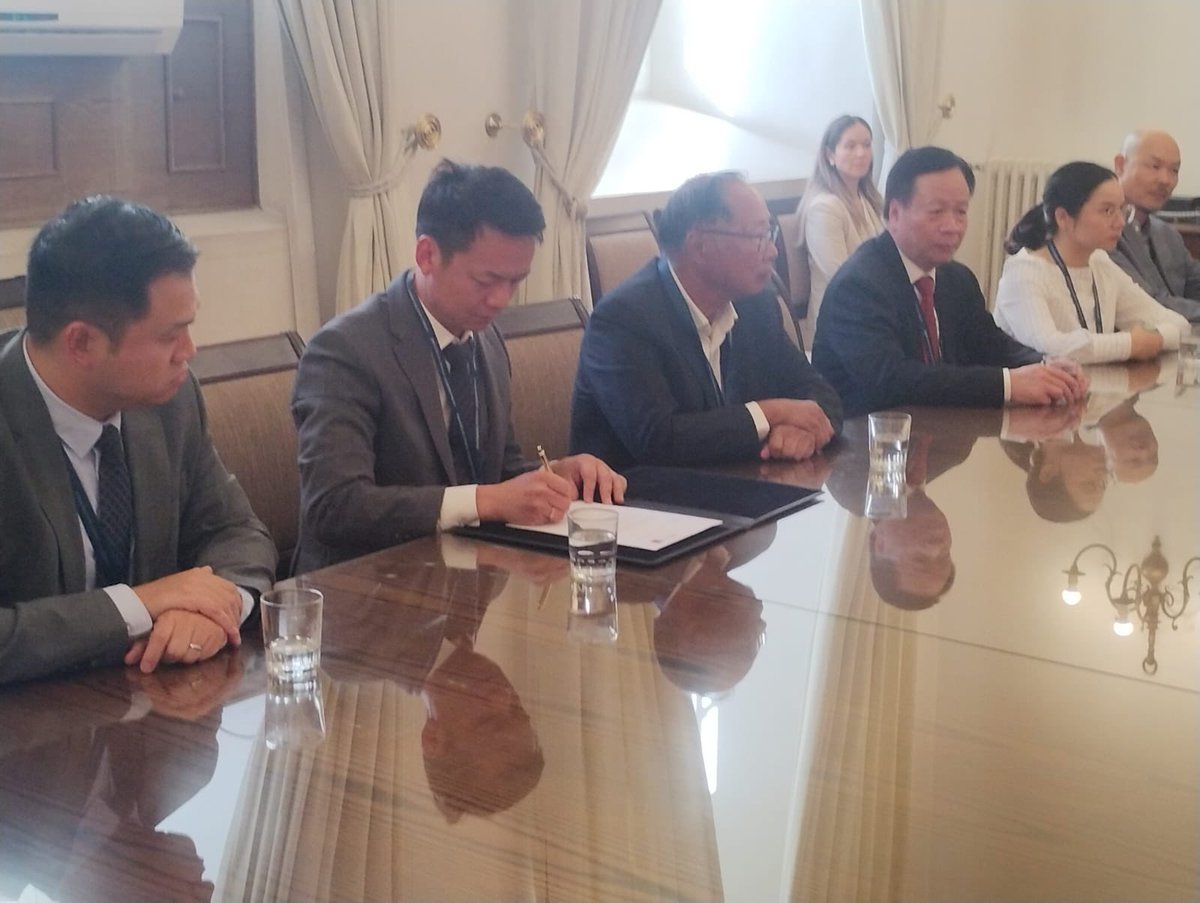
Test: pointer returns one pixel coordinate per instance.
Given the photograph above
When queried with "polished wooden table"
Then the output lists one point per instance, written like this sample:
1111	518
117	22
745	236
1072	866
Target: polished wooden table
831	707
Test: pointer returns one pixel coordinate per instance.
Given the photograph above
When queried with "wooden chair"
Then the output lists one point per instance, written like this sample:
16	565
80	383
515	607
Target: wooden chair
617	247
543	346
12	302
247	388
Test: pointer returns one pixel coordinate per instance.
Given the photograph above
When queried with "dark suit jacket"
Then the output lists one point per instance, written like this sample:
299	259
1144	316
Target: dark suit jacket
869	337
188	511
644	393
1175	281
374	450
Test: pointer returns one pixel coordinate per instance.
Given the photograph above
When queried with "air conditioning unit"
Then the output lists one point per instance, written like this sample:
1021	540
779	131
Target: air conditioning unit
89	27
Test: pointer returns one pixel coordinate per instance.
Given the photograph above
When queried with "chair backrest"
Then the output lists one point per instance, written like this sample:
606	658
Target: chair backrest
617	247
12	302
543	345
792	263
247	387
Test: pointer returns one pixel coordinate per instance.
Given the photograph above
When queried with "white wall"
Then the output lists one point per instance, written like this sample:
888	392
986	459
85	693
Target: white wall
464	60
1067	80
1061	81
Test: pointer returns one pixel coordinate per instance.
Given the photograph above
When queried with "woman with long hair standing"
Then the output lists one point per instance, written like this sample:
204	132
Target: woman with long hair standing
841	207
1062	294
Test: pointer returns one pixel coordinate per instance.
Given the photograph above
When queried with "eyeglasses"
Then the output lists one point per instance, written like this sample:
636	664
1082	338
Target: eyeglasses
761	239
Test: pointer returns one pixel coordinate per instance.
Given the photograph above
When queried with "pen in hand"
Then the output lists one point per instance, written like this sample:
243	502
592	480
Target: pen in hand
542	457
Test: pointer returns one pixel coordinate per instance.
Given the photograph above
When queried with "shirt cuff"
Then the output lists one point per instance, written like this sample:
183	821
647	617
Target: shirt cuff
1004	424
135	615
1007	385
458	507
760	420
247	602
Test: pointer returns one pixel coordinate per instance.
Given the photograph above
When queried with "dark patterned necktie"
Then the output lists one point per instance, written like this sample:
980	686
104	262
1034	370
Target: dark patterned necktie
114	510
458	357
925	291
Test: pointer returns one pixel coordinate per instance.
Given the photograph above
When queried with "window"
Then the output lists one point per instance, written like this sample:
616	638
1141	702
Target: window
747	87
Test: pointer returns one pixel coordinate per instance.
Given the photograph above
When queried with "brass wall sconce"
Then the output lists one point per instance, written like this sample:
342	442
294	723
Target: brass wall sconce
533	128
426	134
1142	593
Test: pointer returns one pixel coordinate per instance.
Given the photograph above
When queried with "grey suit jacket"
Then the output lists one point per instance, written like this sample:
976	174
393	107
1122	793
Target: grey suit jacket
1175	282
188	511
374	450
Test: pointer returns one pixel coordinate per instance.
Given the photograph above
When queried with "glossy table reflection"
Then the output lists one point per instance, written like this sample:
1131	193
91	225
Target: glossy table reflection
825	708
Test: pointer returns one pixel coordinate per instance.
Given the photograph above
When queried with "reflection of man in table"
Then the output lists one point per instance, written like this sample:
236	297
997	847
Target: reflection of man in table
80	806
480	749
910	562
1069	473
479	746
710	627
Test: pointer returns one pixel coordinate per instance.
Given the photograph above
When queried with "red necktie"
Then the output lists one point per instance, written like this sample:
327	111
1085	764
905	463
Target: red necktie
925	290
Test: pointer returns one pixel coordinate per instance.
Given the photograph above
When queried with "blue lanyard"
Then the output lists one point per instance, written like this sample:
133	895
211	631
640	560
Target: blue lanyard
443	370
1071	288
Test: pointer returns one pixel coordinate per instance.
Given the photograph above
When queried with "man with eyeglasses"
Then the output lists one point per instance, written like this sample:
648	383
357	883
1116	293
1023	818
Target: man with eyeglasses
687	361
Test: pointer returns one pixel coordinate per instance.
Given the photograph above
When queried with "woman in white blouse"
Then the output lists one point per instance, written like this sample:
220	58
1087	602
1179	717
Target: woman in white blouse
841	205
1061	293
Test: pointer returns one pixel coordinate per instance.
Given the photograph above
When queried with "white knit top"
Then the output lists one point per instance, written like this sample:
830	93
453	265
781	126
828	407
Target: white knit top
1033	305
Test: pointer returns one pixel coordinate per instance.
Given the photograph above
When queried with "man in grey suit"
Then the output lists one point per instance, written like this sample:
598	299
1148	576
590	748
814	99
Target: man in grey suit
121	534
403	404
1151	250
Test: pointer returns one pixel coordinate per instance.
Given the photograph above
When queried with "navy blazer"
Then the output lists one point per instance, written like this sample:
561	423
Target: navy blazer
869	337
644	393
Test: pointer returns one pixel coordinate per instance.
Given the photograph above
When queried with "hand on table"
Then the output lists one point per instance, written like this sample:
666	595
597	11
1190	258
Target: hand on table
805	415
789	443
536	497
177	636
200	591
1049	383
594	479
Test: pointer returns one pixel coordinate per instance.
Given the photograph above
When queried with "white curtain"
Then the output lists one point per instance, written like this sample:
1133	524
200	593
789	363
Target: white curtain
283	162
585	58
904	44
349	52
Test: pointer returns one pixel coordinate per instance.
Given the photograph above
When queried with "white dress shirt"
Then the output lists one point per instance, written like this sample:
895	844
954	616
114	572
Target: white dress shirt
712	336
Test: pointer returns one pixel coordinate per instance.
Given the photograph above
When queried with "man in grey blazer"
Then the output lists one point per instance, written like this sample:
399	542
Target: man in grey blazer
403	405
122	537
1151	250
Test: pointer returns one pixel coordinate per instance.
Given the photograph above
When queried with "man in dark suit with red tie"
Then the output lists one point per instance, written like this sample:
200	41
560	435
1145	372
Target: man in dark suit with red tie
903	324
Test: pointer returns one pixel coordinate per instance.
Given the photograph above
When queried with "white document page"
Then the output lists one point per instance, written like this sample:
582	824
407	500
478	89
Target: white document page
639	528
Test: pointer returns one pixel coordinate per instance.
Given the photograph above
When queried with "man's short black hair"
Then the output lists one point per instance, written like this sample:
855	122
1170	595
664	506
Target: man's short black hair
919	161
460	199
701	199
95	262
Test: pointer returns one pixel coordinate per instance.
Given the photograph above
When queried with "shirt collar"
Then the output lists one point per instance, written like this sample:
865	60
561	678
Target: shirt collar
77	430
717	329
914	271
443	336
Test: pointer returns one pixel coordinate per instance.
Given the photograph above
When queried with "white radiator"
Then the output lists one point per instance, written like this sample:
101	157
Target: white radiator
1005	189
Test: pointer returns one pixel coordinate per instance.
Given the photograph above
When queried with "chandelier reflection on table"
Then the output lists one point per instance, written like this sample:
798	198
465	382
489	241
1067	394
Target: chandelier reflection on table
1142	593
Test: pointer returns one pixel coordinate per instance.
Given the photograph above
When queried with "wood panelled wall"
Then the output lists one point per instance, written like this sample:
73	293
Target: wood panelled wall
176	133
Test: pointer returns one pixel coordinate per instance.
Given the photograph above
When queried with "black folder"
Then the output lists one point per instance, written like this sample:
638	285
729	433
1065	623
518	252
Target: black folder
738	502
